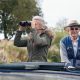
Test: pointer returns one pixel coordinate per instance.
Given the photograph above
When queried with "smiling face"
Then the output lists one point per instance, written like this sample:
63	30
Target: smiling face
73	31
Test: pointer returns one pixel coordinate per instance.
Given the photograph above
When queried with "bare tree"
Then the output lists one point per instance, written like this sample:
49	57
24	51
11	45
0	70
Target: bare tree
60	25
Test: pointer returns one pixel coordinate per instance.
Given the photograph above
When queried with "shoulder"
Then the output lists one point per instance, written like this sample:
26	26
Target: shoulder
49	33
65	39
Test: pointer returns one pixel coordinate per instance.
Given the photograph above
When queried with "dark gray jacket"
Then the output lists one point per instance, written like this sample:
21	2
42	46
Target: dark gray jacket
37	46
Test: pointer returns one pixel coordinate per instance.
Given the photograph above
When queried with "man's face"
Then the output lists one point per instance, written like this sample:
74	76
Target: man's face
73	31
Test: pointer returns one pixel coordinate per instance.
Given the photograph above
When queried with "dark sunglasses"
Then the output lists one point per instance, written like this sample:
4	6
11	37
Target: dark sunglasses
73	28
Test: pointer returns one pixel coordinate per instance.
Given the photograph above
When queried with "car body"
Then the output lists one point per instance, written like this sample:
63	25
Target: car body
36	71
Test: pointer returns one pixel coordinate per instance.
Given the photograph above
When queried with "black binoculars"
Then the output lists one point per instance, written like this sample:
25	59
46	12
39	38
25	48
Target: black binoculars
25	23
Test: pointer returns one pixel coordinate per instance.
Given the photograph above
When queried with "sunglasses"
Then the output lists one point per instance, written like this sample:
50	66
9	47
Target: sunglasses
73	28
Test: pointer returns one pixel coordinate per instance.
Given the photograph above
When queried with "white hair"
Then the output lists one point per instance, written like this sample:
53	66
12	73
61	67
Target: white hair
39	18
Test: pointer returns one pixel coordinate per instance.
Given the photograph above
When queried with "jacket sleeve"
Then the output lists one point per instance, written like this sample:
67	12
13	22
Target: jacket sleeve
18	41
44	40
63	54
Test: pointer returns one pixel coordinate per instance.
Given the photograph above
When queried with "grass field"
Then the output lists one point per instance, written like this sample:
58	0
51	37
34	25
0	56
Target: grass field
10	53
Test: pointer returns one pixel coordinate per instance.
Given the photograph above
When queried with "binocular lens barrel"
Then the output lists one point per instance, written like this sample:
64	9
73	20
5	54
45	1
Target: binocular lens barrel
24	23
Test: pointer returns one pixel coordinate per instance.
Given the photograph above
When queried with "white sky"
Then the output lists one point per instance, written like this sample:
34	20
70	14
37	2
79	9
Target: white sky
54	10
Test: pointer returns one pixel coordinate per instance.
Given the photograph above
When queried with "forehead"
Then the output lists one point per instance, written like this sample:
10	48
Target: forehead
37	20
74	27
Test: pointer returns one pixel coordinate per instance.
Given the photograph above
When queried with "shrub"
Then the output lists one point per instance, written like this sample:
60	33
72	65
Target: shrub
12	53
54	54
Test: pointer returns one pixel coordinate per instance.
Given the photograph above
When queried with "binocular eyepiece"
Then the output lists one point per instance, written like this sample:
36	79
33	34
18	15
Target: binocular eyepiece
25	23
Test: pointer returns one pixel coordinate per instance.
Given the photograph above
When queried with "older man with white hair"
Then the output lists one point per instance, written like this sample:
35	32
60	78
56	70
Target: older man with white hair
38	41
70	45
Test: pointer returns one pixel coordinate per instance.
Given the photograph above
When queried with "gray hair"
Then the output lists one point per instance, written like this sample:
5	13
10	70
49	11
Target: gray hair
41	19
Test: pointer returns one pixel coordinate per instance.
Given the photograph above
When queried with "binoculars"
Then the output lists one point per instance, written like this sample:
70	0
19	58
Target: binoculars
25	23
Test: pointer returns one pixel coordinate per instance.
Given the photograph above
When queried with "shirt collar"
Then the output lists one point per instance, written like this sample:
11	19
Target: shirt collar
76	39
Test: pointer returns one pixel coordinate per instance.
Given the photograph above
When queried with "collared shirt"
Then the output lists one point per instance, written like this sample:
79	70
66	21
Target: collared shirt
75	46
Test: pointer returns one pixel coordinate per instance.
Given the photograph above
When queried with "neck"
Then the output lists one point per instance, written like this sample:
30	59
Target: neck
74	38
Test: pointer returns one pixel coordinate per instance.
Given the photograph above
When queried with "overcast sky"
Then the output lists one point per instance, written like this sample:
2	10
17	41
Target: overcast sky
55	10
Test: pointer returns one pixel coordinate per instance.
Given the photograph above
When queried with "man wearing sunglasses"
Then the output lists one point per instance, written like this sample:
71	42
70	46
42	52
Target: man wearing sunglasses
70	45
